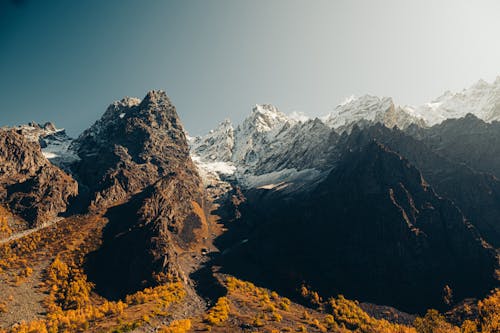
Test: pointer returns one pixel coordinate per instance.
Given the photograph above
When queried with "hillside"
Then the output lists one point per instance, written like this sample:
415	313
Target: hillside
362	221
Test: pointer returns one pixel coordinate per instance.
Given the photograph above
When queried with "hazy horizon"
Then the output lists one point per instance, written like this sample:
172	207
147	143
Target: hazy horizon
66	62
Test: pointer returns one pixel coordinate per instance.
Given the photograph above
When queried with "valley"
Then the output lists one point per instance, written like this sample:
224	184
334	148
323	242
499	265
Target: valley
374	218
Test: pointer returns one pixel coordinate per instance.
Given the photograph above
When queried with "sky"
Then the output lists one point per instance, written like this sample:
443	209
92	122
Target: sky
66	61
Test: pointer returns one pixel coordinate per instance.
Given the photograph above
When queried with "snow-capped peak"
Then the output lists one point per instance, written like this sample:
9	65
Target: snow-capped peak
482	99
217	145
264	118
270	141
368	109
354	109
54	142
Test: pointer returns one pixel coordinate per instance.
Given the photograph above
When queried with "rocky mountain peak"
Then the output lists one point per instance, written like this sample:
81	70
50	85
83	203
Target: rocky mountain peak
481	99
217	145
264	118
138	169
367	110
156	97
132	146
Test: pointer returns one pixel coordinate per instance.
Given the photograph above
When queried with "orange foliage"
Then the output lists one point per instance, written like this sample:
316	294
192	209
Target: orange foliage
219	313
177	326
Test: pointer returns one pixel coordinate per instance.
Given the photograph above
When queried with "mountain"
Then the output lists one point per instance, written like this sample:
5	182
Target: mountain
269	141
30	185
266	147
135	163
368	110
477	194
373	230
159	231
55	143
481	99
280	163
468	140
133	145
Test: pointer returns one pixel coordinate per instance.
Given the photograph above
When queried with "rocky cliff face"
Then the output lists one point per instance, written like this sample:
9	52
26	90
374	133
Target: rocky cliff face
468	140
135	163
476	193
131	147
29	184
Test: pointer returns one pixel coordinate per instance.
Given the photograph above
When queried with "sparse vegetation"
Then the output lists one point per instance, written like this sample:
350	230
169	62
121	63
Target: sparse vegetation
219	313
5	230
72	305
177	326
434	322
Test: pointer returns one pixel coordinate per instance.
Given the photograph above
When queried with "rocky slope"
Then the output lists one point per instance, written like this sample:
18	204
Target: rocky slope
29	184
135	164
477	194
373	229
468	140
133	145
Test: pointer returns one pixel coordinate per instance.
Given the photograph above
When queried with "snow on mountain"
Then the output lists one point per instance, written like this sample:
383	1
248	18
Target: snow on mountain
368	110
269	142
267	146
298	116
55	143
217	145
255	137
482	99
114	113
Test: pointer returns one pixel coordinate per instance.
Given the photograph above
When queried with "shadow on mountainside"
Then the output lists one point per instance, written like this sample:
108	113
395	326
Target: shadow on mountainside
122	265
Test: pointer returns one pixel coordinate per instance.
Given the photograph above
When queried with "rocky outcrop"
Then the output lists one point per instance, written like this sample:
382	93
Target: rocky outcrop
131	147
146	236
29	184
135	163
476	193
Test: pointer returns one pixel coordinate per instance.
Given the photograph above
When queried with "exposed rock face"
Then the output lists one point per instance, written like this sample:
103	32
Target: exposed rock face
404	227
29	184
467	140
477	194
131	147
135	161
146	236
373	230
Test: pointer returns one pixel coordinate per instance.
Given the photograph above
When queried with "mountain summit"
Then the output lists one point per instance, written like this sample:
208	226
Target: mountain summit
132	146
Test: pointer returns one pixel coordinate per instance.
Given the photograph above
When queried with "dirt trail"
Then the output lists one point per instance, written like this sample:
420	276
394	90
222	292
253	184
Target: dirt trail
30	231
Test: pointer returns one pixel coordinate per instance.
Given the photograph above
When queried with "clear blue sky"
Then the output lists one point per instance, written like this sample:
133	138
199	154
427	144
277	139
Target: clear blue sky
65	61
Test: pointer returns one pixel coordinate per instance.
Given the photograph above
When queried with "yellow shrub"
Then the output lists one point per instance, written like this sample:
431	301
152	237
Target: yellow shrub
489	313
434	322
177	326
219	313
5	230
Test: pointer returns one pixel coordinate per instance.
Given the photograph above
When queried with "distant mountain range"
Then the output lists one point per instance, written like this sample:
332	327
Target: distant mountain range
386	204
